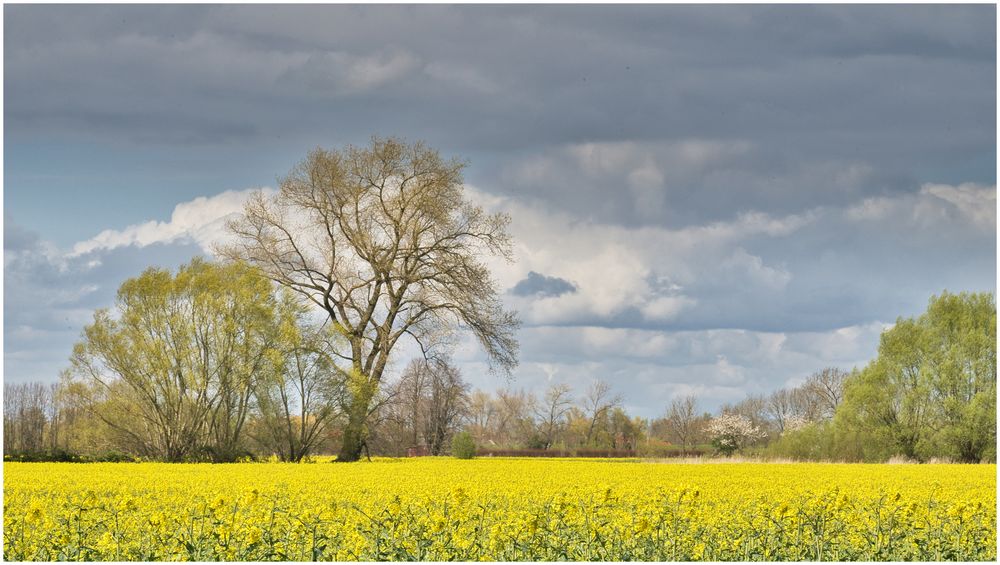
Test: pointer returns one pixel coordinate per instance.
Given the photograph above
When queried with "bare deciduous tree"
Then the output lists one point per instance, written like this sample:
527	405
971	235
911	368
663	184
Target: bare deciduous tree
682	420
481	416
445	403
753	407
597	403
410	393
552	411
827	386
422	409
514	422
299	402
27	416
781	406
383	240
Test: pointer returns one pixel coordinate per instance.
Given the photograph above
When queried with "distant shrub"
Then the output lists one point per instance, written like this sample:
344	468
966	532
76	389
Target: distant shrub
64	456
463	446
660	450
114	457
48	455
809	442
536	441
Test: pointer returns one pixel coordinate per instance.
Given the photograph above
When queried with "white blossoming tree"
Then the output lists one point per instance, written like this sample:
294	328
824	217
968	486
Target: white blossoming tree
732	432
794	423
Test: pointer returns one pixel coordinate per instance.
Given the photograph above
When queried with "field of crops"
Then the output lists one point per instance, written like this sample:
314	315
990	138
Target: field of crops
499	509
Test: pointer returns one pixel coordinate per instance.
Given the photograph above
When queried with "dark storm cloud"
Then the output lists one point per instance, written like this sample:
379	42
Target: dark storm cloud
803	90
536	284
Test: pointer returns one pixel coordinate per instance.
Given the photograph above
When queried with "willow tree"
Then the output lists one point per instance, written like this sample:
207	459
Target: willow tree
931	392
384	241
172	368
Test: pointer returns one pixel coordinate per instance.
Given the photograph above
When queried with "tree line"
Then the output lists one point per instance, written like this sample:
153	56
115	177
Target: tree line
930	393
507	419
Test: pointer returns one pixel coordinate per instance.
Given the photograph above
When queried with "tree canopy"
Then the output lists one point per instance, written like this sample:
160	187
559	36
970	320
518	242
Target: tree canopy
173	365
931	392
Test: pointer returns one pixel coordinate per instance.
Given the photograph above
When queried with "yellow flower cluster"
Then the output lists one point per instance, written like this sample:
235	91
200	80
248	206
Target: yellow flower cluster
498	509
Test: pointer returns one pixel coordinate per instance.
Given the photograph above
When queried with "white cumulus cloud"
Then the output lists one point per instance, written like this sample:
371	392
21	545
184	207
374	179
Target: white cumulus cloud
202	221
620	270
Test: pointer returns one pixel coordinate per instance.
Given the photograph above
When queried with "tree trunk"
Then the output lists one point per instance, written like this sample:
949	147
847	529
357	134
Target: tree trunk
437	445
355	432
350	449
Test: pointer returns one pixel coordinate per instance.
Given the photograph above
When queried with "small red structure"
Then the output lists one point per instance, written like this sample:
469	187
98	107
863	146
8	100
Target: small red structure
418	451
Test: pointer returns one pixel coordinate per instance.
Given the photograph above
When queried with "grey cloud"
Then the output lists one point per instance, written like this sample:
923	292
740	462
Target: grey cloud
642	183
818	271
536	284
562	73
343	73
802	105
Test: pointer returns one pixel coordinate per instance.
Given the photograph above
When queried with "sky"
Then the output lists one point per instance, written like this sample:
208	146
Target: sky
707	200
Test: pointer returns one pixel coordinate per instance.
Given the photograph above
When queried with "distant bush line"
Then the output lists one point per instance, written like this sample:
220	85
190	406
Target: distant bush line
63	456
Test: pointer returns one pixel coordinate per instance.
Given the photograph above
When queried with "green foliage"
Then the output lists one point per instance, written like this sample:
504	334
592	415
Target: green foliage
65	456
813	441
172	368
722	447
463	446
931	392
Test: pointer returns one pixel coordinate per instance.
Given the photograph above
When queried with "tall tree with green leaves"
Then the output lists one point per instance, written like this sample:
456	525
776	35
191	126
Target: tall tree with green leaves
174	364
384	241
931	392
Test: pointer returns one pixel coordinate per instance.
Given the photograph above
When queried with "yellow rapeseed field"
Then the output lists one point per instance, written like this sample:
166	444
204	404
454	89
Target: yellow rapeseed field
498	509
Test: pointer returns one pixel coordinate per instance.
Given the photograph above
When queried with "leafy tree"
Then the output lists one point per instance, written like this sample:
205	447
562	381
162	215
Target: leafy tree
625	432
172	368
83	431
931	392
812	441
384	241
